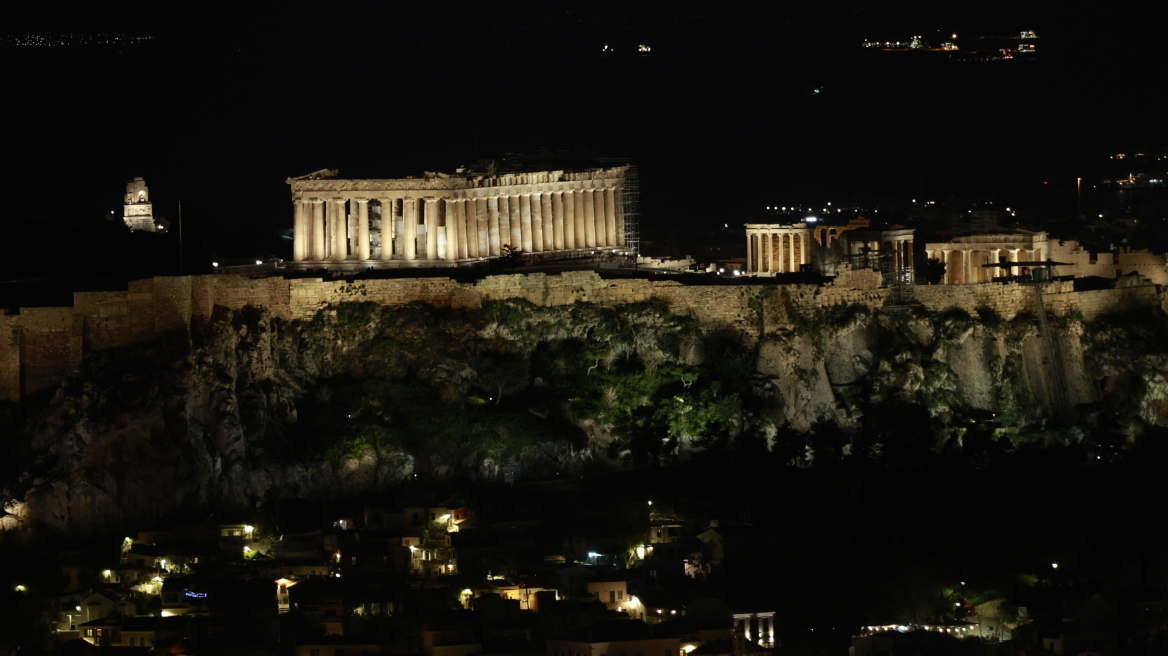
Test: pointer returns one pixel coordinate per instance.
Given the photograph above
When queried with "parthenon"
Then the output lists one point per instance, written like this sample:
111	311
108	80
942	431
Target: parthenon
454	219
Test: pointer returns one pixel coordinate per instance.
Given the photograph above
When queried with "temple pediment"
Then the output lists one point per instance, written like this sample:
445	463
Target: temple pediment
323	174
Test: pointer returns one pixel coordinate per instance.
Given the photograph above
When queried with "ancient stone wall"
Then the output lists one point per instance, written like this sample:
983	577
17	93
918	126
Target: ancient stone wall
50	346
10	333
39	347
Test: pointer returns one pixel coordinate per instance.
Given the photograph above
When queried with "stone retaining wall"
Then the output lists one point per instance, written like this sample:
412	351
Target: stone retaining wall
39	347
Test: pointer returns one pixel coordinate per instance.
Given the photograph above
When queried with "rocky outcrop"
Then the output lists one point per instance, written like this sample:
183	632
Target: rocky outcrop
216	419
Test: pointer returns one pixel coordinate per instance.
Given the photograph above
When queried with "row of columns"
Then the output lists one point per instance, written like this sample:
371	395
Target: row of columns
777	252
763	632
458	228
964	269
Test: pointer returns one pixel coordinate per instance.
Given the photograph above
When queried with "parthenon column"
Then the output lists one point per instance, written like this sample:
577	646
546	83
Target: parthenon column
388	228
995	257
462	246
601	224
581	219
769	260
967	269
515	203
483	231
537	236
299	230
339	238
791	237
558	219
362	250
505	221
548	222
410	218
525	222
589	219
317	229
493	227
431	219
570	240
448	209
1014	271
610	217
749	255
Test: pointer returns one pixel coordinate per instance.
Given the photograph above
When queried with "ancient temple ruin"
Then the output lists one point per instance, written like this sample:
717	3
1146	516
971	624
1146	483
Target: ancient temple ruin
455	219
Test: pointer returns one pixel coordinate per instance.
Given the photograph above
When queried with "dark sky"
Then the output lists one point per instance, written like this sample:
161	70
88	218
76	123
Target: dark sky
227	102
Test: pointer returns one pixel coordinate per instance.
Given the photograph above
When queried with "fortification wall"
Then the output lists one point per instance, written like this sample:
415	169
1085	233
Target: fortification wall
40	347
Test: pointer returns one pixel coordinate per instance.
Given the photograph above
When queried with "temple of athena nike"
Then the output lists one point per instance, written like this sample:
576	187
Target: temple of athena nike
457	219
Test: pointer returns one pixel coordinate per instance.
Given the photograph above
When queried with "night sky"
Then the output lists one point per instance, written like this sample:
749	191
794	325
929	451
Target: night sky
226	102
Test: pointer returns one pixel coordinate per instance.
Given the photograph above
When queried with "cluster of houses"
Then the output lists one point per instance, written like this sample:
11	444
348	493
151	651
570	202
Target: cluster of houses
470	586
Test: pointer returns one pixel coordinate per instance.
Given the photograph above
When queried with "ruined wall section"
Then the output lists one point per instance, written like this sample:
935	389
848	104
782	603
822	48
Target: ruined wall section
40	347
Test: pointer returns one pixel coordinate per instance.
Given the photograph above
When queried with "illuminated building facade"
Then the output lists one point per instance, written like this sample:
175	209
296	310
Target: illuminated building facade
455	219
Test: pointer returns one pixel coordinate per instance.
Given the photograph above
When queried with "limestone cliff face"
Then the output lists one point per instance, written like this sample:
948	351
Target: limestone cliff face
945	362
214	421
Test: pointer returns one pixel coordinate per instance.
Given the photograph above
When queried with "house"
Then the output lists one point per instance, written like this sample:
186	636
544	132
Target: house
613	594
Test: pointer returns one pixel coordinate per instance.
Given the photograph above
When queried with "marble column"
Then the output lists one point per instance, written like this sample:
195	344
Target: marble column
410	218
558	219
525	228
791	256
995	257
466	227
1014	271
362	250
299	230
601	224
483	232
570	240
589	219
340	240
537	231
493	224
449	210
516	222
505	222
329	210
610	217
749	254
548	223
967	268
388	228
317	229
431	218
581	218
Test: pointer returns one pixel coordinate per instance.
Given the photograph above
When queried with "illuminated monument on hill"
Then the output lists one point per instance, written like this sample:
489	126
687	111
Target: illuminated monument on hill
458	219
138	212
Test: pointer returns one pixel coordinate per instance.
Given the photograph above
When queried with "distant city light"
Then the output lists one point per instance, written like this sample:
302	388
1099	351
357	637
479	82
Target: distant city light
1054	565
811	219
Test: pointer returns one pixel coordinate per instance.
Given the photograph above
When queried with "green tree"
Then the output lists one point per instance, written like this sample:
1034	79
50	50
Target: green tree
933	270
502	373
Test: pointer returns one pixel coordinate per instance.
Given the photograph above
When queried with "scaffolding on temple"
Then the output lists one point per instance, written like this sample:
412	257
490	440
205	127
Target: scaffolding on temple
898	278
631	199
